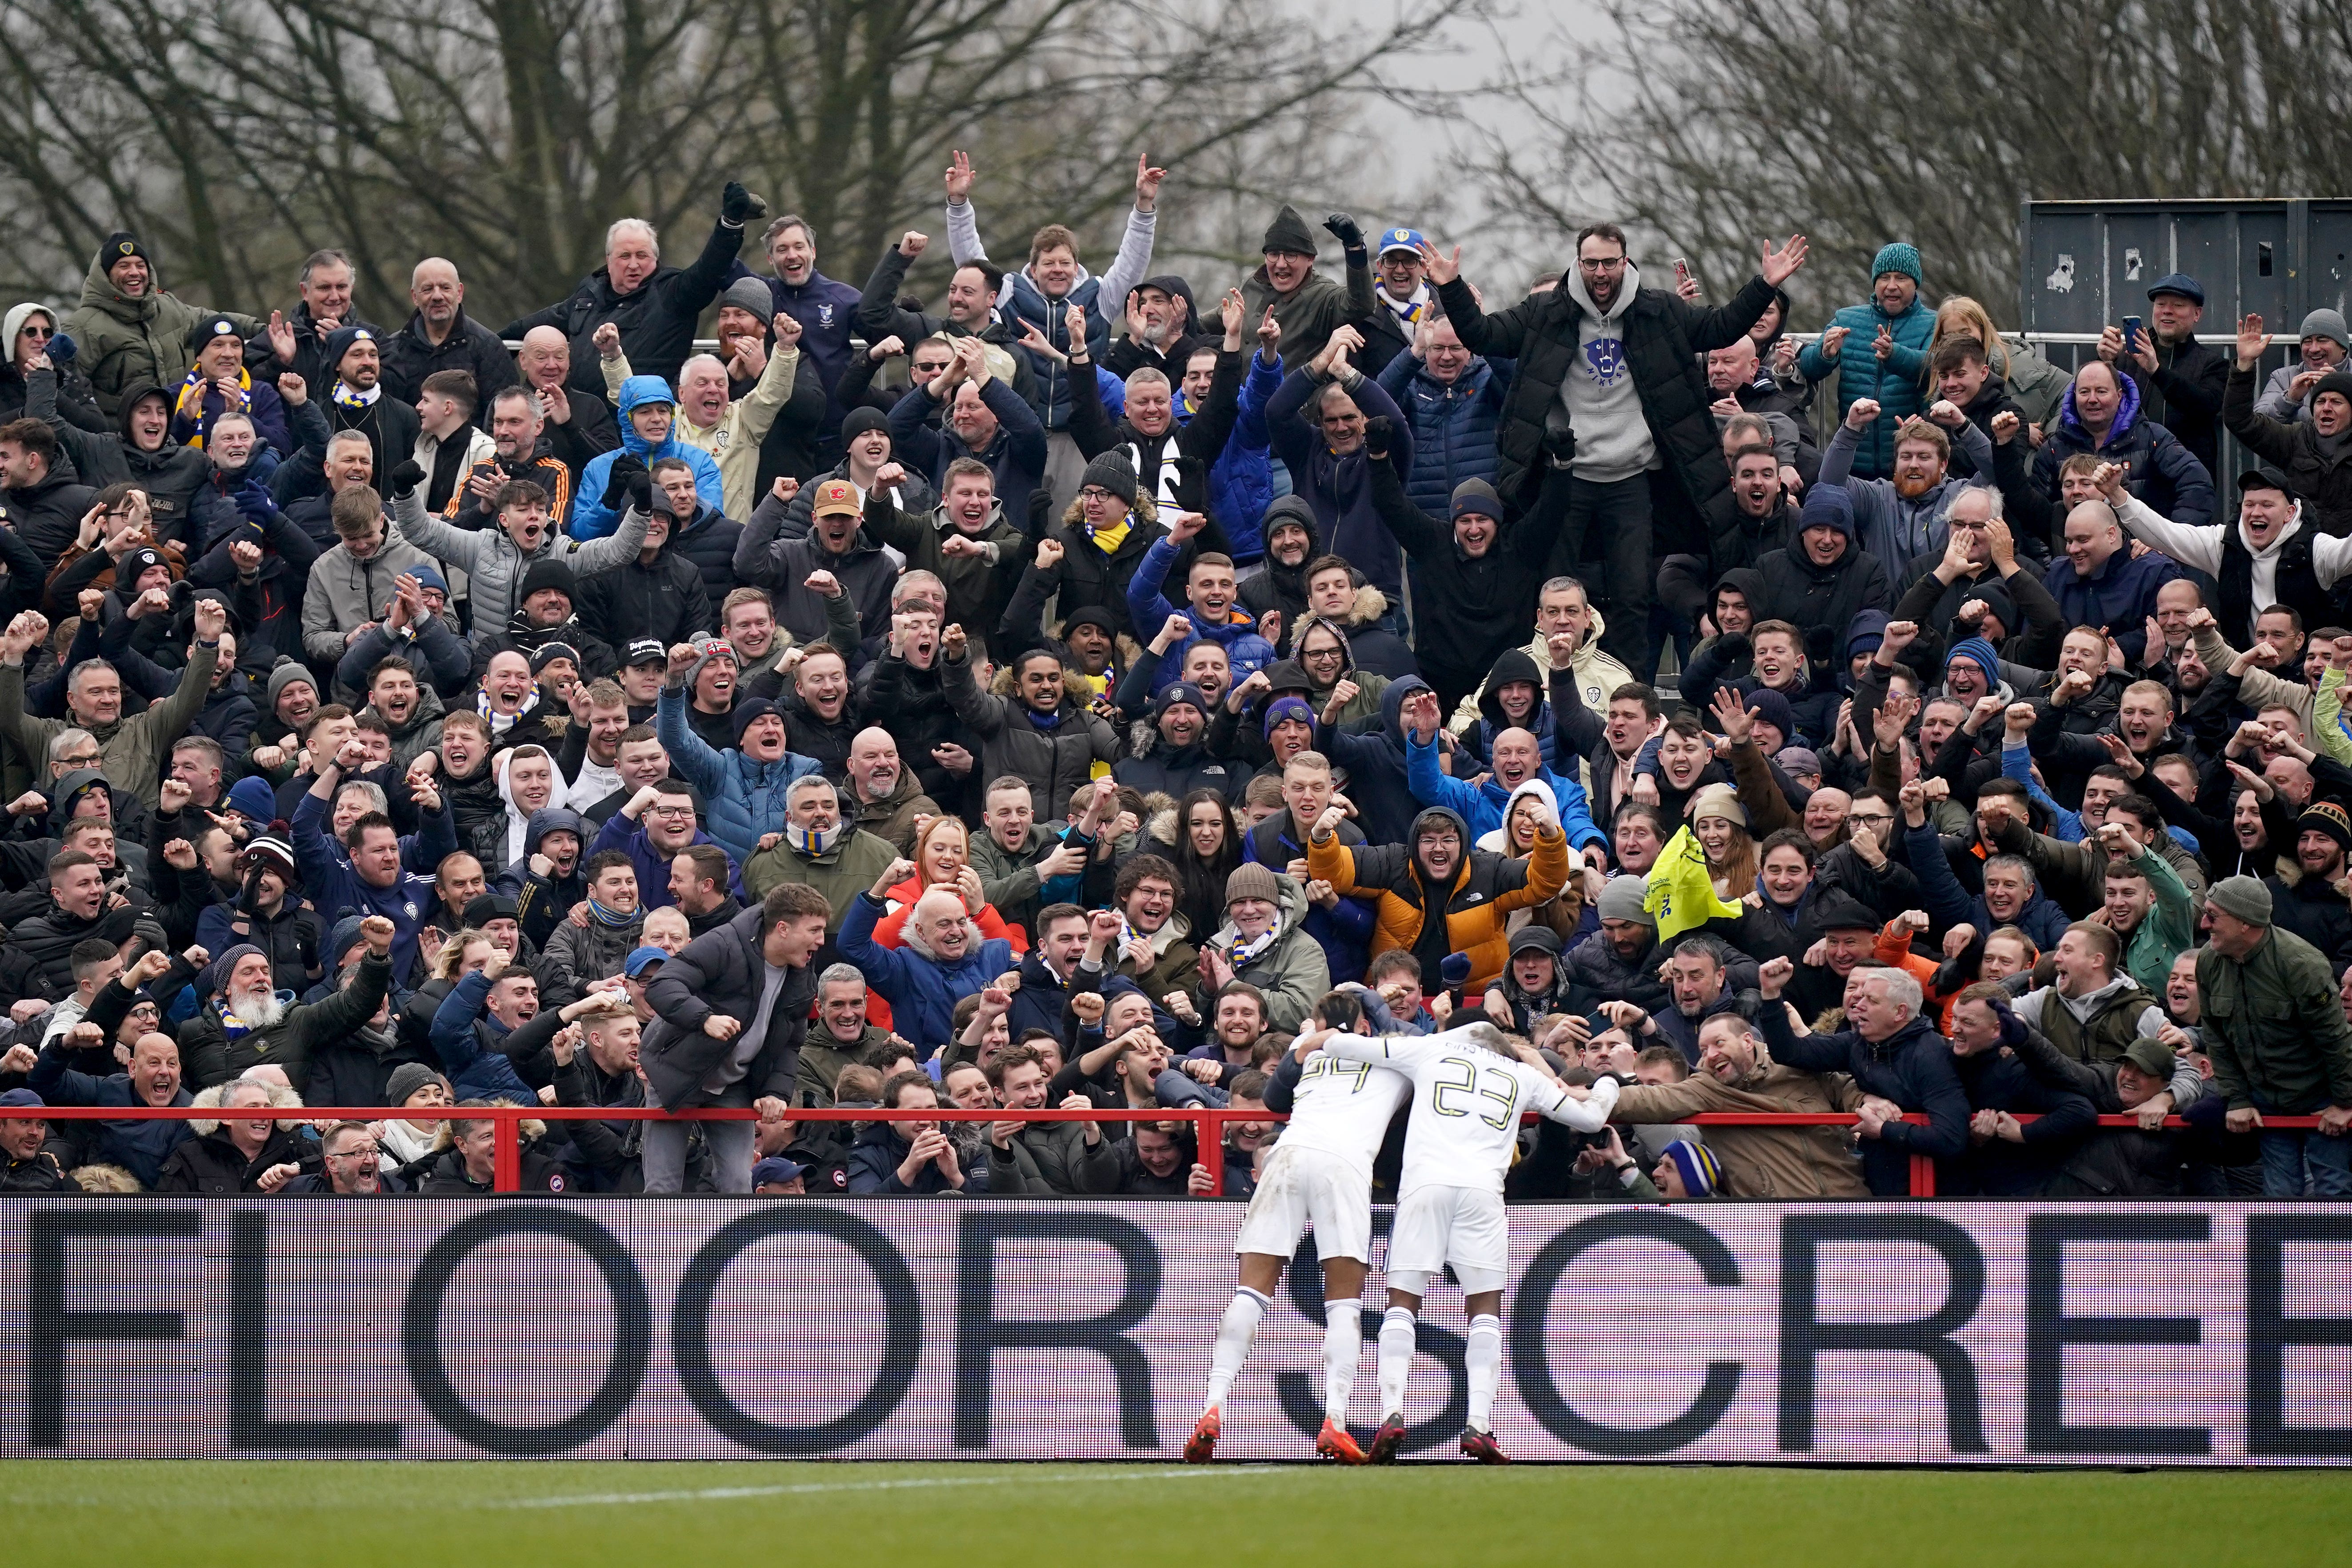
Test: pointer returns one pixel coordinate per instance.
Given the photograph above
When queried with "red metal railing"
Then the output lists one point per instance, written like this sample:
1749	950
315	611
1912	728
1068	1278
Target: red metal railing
1208	1121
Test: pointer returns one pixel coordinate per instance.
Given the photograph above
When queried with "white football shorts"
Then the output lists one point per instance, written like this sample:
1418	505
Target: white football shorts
1464	1226
1299	1186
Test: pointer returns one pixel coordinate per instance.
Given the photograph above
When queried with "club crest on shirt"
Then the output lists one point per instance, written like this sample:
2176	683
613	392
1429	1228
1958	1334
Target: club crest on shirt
1606	359
825	315
409	909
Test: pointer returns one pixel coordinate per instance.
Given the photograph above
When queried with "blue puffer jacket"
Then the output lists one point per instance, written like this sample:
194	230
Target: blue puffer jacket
922	990
1247	651
2161	472
591	518
1893	383
742	798
1452	427
1240	482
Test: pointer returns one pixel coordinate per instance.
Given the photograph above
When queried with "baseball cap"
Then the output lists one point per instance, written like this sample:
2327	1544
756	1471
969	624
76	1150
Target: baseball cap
835	497
775	1168
644	650
1400	240
641	960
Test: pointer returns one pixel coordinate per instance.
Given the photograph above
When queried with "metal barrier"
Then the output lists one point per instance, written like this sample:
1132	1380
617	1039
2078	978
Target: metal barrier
1208	1121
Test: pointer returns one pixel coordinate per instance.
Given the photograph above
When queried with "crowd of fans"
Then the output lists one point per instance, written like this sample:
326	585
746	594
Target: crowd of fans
1067	698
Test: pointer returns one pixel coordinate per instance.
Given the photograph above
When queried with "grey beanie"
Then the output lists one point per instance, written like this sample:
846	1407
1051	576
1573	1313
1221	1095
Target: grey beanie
410	1076
2245	897
1621	901
287	673
749	295
2326	323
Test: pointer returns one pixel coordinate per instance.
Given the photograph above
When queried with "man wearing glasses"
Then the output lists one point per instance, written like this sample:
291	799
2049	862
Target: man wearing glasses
353	1167
1612	390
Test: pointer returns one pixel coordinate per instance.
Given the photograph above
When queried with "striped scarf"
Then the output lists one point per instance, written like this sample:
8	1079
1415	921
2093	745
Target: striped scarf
356	402
190	406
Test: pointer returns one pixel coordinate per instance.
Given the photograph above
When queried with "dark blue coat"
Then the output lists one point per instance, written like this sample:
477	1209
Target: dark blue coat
1452	427
1913	1068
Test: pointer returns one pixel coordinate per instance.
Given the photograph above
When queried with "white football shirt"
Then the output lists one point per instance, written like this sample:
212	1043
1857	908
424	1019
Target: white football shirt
1467	1104
1343	1109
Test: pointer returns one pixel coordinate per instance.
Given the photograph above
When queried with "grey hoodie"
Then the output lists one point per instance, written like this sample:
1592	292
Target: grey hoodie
1604	406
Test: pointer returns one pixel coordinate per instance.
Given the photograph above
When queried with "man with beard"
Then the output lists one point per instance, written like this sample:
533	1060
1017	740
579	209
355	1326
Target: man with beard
2023	1123
1895	518
1162	327
1736	1073
265	911
251	1022
835	557
2313	906
1174	761
1437	894
411	714
886	797
357	400
824	310
545	616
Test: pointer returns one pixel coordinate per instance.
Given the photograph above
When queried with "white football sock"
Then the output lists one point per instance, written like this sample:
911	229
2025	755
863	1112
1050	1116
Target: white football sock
1343	1345
1396	1358
1483	1358
1235	1333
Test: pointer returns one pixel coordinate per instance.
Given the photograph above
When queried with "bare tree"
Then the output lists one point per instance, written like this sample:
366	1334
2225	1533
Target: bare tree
1709	126
506	134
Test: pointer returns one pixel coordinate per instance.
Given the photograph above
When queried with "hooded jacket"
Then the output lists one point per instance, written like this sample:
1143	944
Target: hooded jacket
743	796
1823	600
72	398
722	971
1338	488
170	474
1487	806
1172	465
2158	468
210	1165
1898	529
1597	675
1475	901
1664	341
656	317
1376	765
123	340
591	518
921	987
493	563
542	908
420	731
1053	754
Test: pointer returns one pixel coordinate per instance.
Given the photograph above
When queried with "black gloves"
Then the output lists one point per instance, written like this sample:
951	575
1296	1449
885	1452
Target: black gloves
738	207
1379	431
248	897
641	491
621	480
1351	233
1041	512
407	475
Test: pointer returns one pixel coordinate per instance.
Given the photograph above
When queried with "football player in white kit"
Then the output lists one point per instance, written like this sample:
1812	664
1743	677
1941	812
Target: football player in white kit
1469	1087
1321	1170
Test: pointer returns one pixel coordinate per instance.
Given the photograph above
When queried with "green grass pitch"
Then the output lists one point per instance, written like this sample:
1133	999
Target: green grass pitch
585	1515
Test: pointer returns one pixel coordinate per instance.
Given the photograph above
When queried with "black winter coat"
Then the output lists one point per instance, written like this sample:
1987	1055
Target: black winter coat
1484	606
1666	341
721	972
665	600
1823	600
409	357
708	539
213	1167
657	319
